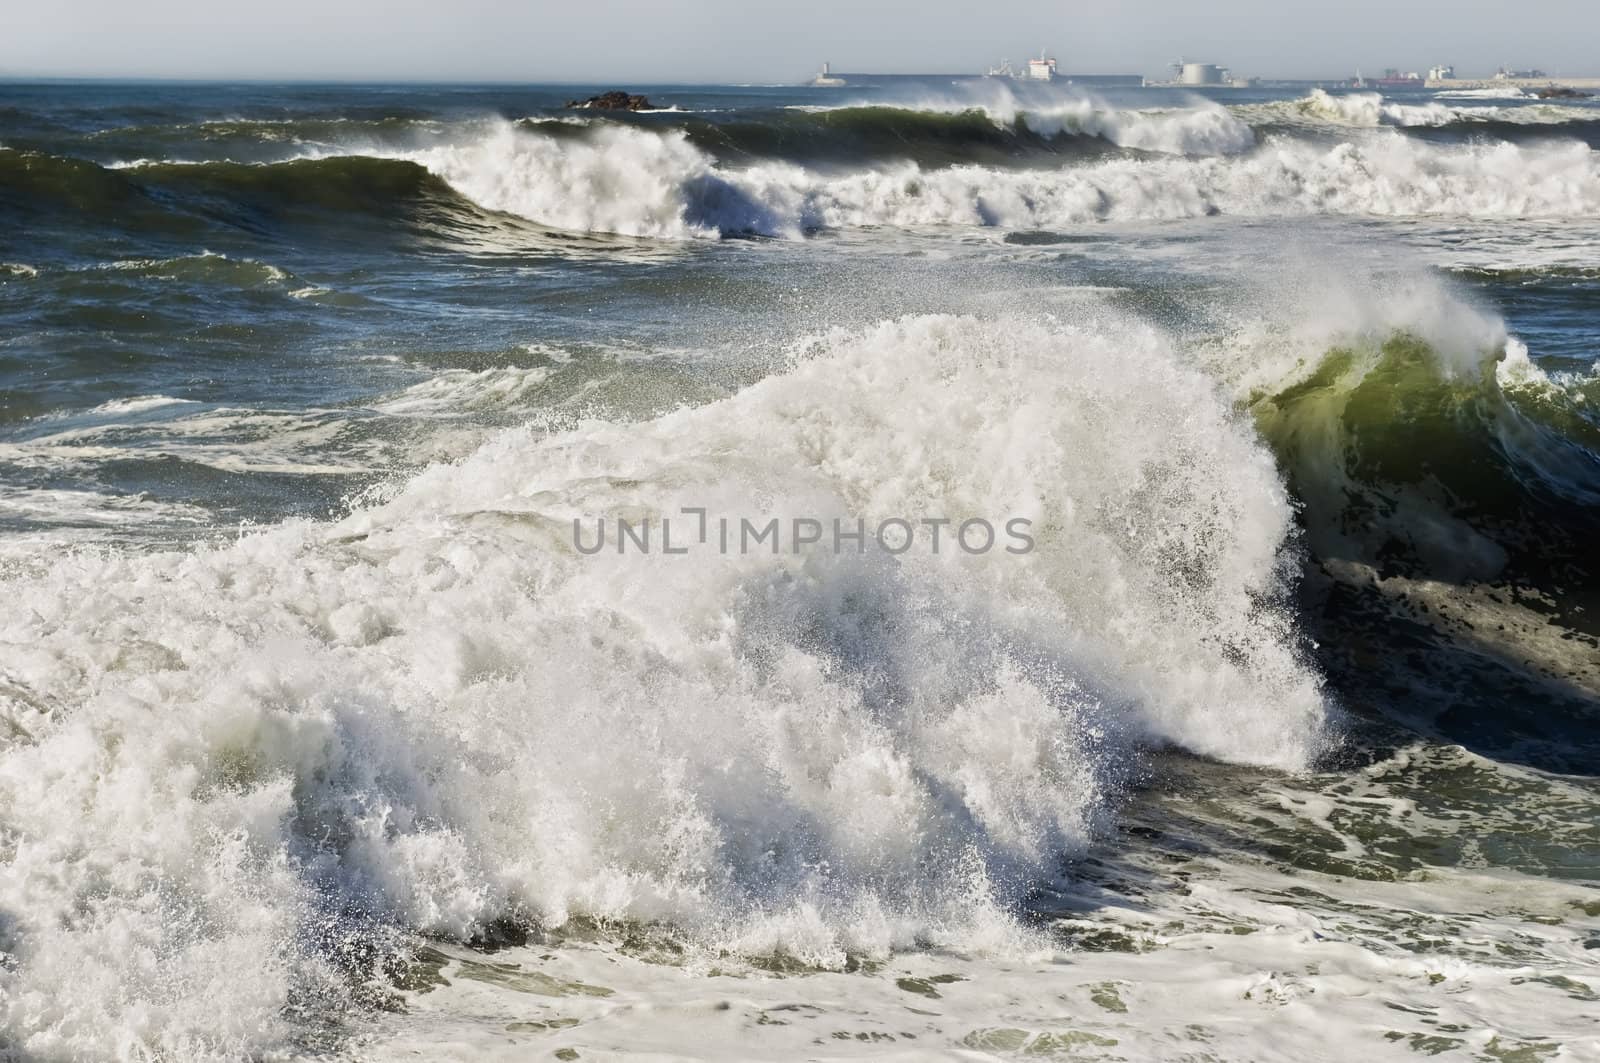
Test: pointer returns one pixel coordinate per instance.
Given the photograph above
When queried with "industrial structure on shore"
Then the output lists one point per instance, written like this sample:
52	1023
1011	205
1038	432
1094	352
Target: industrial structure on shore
1190	74
1514	80
1043	69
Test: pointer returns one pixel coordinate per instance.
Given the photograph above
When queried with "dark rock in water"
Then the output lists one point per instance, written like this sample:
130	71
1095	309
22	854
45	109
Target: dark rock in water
613	101
1562	94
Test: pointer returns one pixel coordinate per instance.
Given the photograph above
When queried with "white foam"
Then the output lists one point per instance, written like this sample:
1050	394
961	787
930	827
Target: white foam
616	179
137	404
238	440
1516	369
51	506
1242	963
1510	92
207	265
1371	109
1288	320
461	390
1252	958
1210	130
1203	128
642	183
436	712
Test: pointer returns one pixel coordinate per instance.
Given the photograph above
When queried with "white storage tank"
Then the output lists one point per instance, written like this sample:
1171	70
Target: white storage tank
1202	74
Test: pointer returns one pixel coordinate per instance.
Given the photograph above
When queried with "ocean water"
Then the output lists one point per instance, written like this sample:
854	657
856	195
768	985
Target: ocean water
320	735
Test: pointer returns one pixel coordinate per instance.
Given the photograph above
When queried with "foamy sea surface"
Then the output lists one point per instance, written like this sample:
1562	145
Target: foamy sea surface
320	736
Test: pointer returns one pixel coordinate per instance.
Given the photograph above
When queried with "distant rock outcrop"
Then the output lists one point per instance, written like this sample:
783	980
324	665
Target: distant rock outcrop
614	101
1557	93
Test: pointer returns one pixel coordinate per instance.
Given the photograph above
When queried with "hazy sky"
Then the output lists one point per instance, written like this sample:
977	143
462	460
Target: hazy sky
624	42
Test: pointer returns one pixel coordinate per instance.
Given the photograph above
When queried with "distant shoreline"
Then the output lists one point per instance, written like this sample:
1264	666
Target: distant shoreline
1514	83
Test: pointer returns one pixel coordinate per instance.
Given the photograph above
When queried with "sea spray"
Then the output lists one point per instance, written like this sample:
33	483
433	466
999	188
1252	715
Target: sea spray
644	183
434	714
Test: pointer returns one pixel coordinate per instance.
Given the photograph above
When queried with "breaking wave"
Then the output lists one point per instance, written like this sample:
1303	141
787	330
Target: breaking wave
1448	489
1509	92
1201	130
1371	109
435	716
624	180
621	178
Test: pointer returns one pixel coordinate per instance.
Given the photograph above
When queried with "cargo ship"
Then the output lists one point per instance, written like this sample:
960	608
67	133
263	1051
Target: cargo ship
1045	69
1040	69
1392	79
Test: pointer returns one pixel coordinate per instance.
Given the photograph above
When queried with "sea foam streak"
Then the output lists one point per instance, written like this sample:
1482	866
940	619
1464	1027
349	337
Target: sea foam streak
220	766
